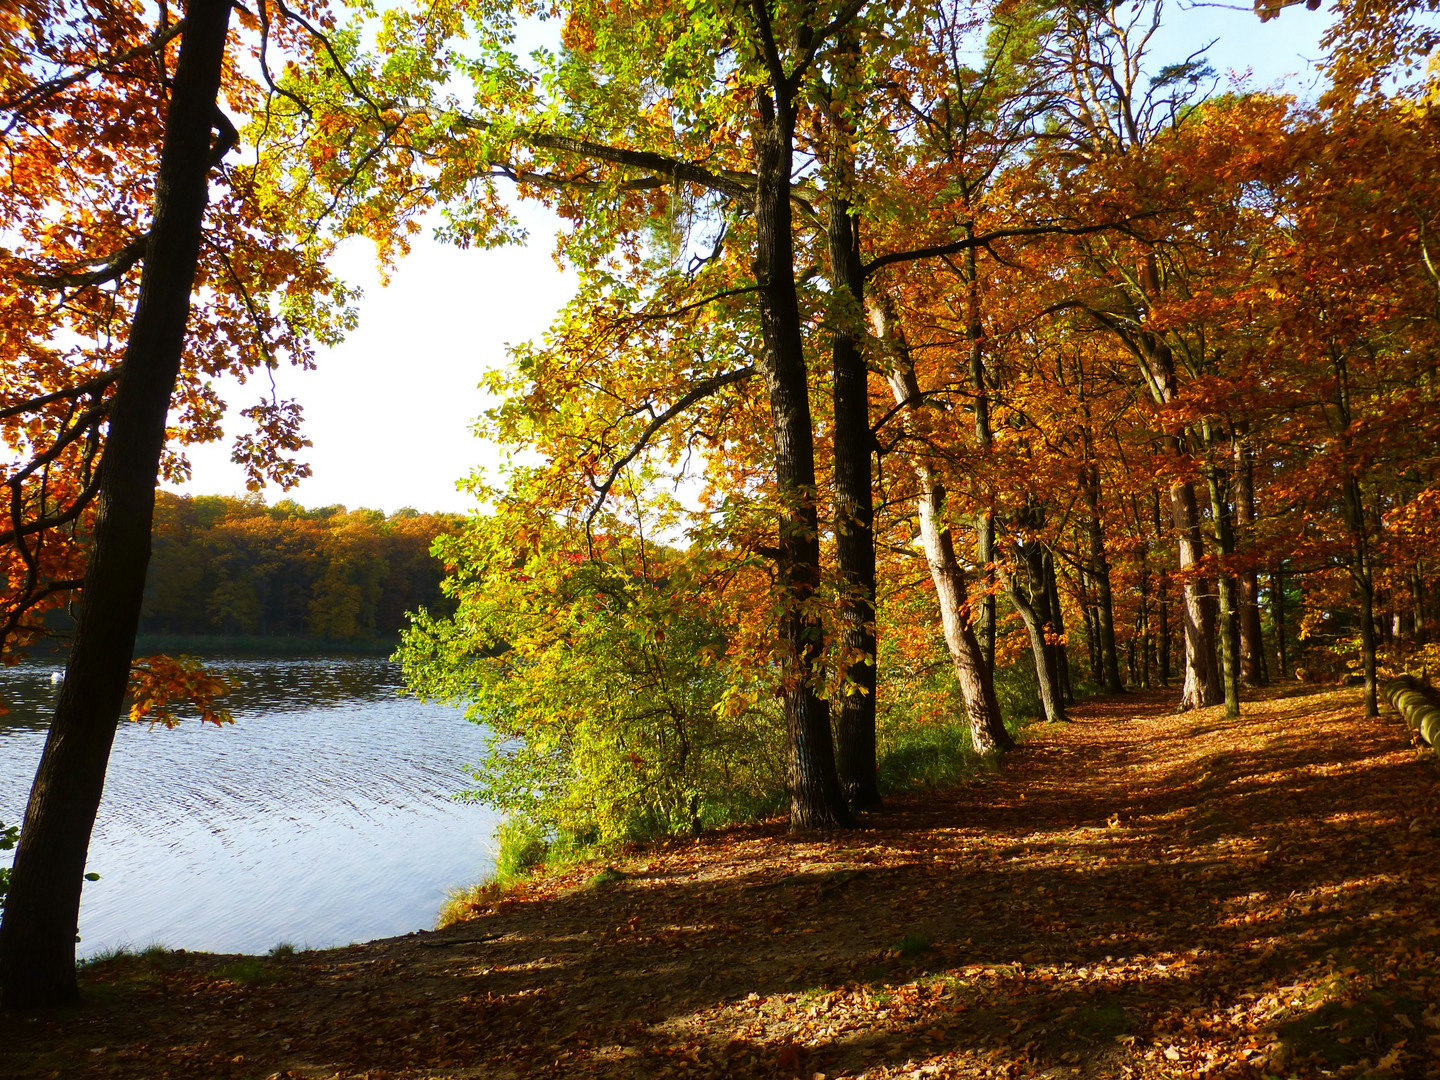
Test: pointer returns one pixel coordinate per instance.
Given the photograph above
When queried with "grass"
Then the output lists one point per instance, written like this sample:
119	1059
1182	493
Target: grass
913	945
149	953
249	971
607	876
522	850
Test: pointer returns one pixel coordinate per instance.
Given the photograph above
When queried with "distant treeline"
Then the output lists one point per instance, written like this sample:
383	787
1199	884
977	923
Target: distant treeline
237	568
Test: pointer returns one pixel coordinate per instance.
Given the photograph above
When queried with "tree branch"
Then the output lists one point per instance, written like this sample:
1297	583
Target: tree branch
24	100
698	392
985	239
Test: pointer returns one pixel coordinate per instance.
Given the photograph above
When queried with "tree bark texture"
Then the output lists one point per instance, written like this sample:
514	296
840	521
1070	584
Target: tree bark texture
1202	674
816	800
854	513
976	678
37	937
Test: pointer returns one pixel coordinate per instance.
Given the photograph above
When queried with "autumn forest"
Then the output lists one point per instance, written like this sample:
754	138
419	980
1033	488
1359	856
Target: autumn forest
984	457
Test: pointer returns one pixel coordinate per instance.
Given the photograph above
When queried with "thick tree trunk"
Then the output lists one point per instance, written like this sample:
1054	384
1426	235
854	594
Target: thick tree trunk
37	937
854	513
816	800
976	678
1202	674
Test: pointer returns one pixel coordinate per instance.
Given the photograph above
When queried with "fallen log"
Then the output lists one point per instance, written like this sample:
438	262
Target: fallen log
1416	704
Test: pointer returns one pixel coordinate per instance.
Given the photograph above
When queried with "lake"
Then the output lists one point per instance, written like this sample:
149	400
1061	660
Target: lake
323	816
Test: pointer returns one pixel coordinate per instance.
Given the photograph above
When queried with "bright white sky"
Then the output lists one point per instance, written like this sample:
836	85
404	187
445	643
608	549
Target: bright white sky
393	410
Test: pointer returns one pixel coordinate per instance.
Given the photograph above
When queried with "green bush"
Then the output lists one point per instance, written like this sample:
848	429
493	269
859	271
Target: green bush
604	681
9	836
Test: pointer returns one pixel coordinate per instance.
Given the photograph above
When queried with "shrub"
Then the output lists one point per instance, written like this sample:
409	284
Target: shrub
613	710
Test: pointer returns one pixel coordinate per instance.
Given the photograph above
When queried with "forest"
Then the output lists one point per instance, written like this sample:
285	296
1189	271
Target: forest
229	568
931	368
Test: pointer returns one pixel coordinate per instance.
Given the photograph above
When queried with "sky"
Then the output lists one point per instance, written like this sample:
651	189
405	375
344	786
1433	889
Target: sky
393	410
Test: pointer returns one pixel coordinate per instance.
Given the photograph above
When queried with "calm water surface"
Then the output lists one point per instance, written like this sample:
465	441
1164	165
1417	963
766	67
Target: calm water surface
323	816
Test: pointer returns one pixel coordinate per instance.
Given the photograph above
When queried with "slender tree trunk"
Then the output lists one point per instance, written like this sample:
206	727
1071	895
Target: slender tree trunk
37	937
984	440
1051	701
1252	642
1277	616
1417	605
1163	593
1057	626
1202	675
854	513
816	800
977	686
1228	616
1100	573
1364	579
985	556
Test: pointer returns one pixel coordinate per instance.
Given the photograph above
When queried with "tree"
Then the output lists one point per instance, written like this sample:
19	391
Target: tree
87	221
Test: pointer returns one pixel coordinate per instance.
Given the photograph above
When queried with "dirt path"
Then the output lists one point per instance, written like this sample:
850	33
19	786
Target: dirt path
1135	894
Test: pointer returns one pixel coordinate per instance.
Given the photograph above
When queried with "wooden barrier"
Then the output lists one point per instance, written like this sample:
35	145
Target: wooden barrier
1415	703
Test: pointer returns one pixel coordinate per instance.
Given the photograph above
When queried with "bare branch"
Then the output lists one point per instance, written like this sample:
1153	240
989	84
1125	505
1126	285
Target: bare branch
698	392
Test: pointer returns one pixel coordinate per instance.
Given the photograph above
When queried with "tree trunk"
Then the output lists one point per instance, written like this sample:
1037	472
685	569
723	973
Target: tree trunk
1229	616
1252	642
1202	675
1051	702
1099	570
977	685
1417	606
1277	616
854	514
1057	630
984	440
37	937
816	800
1362	575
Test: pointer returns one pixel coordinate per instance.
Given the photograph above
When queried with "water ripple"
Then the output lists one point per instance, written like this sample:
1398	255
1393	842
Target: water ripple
323	816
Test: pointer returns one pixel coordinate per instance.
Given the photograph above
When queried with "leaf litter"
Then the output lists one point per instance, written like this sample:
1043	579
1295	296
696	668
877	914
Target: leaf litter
1134	894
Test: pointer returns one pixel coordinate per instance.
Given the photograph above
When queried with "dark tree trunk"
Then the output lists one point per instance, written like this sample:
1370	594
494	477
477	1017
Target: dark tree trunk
816	800
1057	630
984	440
1163	598
1417	606
1099	570
1277	616
854	513
985	556
37	937
1363	577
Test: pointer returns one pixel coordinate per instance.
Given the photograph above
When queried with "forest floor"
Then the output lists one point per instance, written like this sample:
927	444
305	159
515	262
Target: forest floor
1135	894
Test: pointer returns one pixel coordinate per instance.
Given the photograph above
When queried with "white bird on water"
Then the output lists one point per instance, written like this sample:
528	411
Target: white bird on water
56	678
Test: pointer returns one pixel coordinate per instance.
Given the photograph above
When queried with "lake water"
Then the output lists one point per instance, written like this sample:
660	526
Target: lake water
323	816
